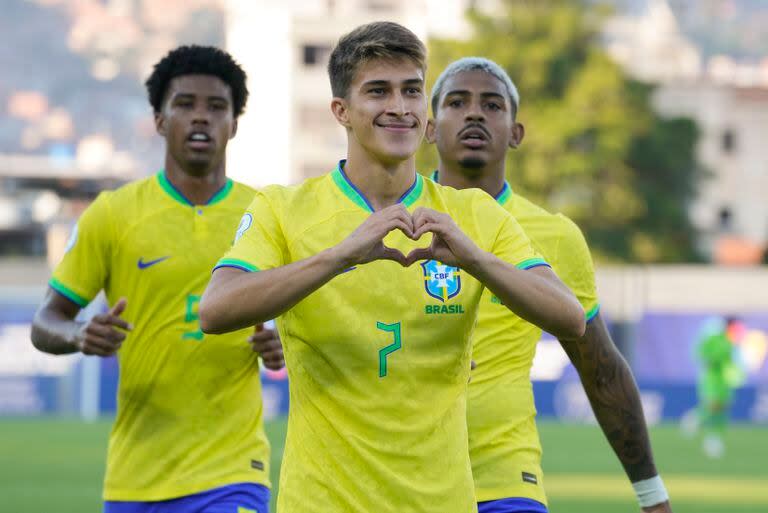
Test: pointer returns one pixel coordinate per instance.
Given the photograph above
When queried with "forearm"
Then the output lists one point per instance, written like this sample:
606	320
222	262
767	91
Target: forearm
54	333
539	299
615	398
236	300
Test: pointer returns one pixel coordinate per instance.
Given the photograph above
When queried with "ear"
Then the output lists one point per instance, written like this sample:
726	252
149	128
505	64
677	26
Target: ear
160	123
431	133
234	129
340	111
516	135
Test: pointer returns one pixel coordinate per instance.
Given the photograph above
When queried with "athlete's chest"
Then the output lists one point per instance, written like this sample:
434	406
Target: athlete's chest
176	249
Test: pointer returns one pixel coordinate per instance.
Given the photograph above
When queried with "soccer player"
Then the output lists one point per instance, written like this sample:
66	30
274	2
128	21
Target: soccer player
377	349
189	434
716	356
474	107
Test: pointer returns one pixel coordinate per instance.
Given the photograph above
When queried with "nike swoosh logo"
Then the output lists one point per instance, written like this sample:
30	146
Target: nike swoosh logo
143	265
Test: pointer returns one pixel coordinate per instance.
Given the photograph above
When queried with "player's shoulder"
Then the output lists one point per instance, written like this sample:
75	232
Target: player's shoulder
307	194
457	201
529	213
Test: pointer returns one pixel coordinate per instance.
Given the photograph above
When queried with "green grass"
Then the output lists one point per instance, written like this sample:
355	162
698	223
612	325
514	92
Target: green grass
56	465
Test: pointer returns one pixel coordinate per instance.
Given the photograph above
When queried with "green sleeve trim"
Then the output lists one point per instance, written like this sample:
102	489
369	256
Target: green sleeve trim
592	312
238	264
68	293
531	263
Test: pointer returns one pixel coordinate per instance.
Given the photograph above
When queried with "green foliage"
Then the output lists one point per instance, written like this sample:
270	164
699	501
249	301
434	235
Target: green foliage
594	149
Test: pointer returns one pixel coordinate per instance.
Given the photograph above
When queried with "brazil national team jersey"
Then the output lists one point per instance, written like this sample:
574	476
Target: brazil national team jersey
189	413
378	358
503	441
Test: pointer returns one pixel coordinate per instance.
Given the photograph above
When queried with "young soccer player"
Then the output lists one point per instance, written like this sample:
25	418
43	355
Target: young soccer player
474	104
377	349
188	436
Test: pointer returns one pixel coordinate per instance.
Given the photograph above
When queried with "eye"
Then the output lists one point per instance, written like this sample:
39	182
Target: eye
376	91
184	104
494	106
218	106
456	103
413	91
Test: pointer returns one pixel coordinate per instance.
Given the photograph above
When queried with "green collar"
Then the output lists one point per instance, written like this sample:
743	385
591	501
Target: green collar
174	193
341	180
501	197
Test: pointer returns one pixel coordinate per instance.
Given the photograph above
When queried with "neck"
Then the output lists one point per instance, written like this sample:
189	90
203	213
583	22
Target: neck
383	184
197	186
488	179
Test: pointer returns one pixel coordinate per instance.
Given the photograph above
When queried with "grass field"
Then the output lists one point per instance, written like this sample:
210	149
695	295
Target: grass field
57	465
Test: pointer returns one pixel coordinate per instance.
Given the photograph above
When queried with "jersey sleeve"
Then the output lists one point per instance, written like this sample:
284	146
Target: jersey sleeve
575	268
83	270
510	243
259	241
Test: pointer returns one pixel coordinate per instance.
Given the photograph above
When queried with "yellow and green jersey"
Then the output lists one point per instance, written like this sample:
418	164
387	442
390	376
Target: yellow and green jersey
189	414
378	358
503	440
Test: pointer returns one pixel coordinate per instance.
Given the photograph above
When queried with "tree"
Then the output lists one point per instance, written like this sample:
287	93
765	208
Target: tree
594	149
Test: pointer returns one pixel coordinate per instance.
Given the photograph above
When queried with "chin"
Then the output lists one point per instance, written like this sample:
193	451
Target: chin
472	162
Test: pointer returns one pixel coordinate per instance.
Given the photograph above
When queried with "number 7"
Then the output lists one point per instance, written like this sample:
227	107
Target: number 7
386	351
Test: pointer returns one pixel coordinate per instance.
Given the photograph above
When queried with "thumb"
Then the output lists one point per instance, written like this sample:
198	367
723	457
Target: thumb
118	307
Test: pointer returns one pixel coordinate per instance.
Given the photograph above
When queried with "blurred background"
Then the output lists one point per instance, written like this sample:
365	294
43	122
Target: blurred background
647	123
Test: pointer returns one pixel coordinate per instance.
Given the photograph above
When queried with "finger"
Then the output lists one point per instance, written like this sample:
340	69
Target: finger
399	224
405	220
119	307
121	323
261	336
428	226
99	345
388	253
419	254
104	331
274	365
272	353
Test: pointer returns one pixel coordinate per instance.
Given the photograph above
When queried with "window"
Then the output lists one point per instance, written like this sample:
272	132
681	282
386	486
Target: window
314	55
728	141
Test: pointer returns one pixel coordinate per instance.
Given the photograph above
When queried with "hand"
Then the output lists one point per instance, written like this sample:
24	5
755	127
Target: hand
449	244
366	243
664	507
100	335
266	343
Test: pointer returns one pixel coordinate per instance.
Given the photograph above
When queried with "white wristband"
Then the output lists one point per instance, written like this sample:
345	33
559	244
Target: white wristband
650	492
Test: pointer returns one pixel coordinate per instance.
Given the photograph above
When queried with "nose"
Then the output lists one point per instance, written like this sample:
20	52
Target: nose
397	105
201	114
475	113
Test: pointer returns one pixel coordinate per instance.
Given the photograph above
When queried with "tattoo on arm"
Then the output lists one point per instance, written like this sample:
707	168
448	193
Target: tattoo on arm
614	396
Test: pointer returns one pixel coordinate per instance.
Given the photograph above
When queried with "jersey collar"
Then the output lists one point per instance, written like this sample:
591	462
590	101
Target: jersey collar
343	182
501	197
176	194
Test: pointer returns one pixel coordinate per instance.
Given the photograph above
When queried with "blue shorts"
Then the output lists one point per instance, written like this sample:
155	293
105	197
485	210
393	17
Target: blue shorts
236	498
511	505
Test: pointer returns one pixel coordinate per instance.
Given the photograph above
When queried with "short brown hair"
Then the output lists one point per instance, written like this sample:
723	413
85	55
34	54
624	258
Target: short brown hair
377	40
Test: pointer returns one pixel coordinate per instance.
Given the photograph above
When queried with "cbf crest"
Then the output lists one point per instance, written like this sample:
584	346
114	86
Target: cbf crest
441	281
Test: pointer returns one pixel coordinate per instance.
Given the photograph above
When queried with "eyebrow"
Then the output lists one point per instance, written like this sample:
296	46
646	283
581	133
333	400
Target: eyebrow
192	95
466	92
410	81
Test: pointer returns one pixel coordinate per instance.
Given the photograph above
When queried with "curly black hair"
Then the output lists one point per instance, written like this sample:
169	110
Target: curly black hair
197	60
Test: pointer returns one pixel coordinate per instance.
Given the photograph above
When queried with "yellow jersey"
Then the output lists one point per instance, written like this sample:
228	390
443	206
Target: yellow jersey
503	441
378	358
189	412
